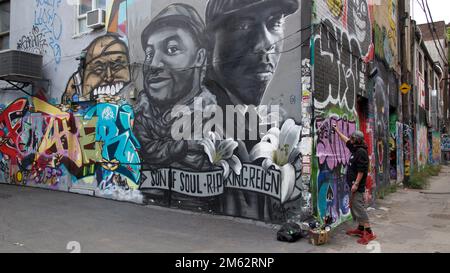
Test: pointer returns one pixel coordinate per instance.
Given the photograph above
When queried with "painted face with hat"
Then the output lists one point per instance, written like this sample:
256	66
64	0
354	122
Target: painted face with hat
174	54
247	40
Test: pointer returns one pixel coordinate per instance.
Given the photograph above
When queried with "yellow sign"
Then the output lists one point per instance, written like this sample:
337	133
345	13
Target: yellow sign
405	88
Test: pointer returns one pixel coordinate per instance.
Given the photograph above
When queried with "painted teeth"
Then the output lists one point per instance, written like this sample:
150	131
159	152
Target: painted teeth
108	90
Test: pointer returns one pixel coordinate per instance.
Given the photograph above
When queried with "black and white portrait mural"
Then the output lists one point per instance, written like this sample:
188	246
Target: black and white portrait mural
212	116
175	58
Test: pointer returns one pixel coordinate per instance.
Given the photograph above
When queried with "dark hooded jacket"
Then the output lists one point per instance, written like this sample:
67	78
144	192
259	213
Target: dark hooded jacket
359	162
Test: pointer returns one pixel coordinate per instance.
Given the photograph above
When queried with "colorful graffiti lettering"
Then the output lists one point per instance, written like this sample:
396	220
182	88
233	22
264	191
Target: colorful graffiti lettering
61	136
400	153
422	146
330	148
42	143
120	146
11	128
333	156
435	151
408	155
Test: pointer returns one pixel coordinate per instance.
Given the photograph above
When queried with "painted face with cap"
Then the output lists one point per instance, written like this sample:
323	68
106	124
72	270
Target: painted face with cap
172	60
246	52
173	43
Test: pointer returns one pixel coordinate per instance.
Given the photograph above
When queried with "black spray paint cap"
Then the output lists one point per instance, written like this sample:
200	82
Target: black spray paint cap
217	10
178	15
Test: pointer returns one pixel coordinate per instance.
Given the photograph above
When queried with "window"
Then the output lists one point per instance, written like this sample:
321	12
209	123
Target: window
5	11
83	8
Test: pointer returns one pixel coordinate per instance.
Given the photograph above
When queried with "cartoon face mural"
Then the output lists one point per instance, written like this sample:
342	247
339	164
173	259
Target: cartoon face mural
246	43
107	67
104	71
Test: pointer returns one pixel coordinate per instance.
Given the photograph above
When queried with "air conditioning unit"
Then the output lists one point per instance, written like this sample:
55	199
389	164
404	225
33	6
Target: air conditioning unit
96	18
20	66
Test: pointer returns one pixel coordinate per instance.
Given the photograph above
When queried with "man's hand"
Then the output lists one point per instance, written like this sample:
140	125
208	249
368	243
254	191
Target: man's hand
335	127
341	135
355	187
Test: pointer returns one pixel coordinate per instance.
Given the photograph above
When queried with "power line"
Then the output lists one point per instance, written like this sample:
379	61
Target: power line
423	7
434	29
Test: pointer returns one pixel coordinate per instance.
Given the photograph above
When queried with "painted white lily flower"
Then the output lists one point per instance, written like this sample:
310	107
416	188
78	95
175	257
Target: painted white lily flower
220	153
280	148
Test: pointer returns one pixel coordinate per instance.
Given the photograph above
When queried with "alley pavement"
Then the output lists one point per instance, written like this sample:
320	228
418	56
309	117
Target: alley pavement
36	220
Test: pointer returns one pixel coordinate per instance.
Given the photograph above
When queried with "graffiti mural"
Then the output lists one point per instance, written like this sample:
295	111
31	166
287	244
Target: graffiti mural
421	89
103	71
330	150
333	54
366	123
422	146
333	156
445	147
435	148
175	55
400	152
381	85
49	145
49	25
385	31
117	17
11	128
393	146
34	42
445	143
120	146
168	107
408	149
254	177
88	139
343	48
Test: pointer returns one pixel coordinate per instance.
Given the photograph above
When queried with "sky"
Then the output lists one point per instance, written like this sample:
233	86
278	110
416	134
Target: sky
440	10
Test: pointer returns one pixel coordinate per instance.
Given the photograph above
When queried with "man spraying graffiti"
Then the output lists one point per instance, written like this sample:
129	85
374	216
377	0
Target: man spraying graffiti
356	178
